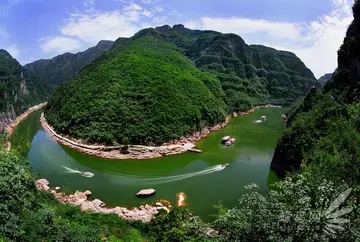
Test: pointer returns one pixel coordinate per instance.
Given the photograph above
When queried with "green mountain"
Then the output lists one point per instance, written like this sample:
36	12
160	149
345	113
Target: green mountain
145	90
62	68
324	131
19	89
255	74
142	91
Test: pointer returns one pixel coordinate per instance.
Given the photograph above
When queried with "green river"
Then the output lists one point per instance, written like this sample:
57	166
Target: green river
198	175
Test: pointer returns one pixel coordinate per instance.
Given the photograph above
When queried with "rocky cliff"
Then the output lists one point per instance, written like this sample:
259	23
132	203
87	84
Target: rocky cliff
19	89
62	68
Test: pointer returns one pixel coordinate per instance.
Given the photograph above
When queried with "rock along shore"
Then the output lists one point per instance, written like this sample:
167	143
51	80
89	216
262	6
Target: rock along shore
141	152
144	213
11	127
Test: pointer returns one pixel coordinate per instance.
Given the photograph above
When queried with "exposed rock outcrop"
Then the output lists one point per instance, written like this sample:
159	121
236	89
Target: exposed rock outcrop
144	213
146	192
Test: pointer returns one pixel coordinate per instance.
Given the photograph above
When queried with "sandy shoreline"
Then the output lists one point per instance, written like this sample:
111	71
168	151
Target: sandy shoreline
10	129
140	152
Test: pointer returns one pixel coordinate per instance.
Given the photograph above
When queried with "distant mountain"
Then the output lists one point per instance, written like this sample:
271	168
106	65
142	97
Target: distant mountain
19	89
252	72
62	68
168	82
325	78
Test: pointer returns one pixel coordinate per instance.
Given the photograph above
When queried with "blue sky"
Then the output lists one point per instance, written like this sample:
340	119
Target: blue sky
312	29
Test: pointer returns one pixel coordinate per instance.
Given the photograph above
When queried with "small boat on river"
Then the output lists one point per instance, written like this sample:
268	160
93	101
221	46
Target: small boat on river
230	141
224	165
223	141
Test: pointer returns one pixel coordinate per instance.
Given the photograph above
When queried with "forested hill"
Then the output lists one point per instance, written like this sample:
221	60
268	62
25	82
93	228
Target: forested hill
62	68
151	93
142	91
19	89
325	129
252	74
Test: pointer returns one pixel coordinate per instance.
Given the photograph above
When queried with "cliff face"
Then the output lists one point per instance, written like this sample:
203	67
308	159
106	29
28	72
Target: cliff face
62	68
19	89
310	121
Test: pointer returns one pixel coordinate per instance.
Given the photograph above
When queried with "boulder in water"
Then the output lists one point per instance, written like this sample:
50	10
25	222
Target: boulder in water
146	192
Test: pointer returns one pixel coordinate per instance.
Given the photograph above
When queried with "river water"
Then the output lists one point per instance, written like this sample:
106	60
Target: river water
199	176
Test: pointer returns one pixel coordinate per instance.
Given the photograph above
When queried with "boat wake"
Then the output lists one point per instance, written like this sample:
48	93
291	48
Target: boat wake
138	180
82	173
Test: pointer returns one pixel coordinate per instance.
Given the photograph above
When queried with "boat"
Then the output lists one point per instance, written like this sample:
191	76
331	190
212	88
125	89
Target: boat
86	174
230	141
263	118
223	141
224	165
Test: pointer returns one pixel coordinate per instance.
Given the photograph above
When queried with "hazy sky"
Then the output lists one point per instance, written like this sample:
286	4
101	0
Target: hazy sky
312	29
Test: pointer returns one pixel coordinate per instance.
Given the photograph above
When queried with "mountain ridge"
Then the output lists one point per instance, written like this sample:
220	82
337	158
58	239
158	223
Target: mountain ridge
62	68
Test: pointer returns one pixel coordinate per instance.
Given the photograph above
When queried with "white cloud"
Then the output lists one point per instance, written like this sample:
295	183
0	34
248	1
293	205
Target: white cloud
315	42
147	13
132	6
88	3
86	28
13	50
90	28
59	44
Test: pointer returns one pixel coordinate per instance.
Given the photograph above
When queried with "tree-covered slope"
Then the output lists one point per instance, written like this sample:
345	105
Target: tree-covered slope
143	91
19	89
255	74
62	68
324	127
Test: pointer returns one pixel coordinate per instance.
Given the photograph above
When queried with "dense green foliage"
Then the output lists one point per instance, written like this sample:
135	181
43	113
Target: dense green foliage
328	116
296	210
250	75
19	89
62	68
28	215
144	91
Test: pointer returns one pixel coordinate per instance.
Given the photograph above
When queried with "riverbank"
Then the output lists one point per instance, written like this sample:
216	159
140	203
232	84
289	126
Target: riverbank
11	127
140	152
145	213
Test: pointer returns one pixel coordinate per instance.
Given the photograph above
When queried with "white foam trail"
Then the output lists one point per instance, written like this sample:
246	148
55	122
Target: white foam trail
86	174
258	121
136	180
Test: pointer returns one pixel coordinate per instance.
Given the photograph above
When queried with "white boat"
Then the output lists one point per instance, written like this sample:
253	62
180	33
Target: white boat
230	141
223	141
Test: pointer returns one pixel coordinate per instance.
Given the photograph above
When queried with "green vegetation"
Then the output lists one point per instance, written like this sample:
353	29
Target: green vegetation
62	68
29	215
19	89
143	92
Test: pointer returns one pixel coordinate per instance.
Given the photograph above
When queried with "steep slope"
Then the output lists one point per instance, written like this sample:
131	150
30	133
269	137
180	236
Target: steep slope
62	68
256	74
19	89
142	91
325	78
325	129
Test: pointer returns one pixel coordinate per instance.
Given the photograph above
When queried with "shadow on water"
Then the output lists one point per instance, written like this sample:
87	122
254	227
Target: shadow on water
200	176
